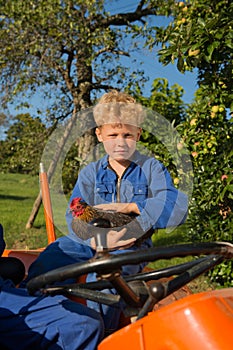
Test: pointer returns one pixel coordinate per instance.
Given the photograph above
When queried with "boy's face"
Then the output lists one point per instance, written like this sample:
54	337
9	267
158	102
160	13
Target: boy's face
119	140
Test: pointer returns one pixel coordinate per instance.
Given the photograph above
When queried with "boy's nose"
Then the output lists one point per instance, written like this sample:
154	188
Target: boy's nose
120	140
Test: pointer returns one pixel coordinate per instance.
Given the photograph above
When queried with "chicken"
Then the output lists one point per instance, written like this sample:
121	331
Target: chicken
84	215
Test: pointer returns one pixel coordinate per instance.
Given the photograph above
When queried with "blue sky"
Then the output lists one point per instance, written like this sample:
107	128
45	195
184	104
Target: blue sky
153	69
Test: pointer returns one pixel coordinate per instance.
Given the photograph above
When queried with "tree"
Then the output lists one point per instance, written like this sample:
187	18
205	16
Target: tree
70	49
166	103
22	148
209	136
6	120
200	37
165	99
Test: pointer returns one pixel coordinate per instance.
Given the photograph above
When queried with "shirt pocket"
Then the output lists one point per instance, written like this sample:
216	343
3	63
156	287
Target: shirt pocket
104	191
140	192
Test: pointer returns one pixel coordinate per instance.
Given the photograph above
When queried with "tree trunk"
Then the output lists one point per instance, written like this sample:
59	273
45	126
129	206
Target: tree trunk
81	101
86	145
34	212
52	167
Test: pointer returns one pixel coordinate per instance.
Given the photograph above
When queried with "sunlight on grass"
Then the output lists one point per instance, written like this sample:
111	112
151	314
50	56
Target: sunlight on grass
163	238
17	195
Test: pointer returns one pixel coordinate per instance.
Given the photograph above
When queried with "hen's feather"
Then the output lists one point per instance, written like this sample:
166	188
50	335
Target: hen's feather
83	214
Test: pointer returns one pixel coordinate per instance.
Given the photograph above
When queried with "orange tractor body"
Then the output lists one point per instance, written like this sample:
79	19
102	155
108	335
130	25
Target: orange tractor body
199	321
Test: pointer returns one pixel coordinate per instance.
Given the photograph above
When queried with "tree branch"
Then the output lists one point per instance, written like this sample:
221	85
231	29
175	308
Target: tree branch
117	52
121	19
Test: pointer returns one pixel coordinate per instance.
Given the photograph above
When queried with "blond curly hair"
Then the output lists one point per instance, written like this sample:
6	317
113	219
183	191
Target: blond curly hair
118	107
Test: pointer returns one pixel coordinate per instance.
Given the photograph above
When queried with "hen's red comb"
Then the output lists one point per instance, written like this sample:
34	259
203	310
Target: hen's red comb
74	202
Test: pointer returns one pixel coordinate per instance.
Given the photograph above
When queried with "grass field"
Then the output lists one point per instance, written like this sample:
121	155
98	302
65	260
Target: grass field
17	195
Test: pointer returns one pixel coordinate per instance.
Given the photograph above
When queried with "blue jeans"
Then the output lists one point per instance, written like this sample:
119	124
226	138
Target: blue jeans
65	251
45	322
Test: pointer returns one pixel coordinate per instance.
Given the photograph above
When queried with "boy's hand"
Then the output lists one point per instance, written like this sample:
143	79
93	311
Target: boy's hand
125	208
114	240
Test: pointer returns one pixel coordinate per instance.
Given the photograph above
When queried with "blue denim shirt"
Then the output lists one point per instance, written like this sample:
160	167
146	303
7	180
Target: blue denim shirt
146	182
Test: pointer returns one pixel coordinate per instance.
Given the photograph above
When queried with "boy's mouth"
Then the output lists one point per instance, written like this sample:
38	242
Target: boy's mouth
120	152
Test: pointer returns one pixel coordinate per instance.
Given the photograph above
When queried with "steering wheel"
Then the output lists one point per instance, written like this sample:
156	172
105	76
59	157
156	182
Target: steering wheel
138	297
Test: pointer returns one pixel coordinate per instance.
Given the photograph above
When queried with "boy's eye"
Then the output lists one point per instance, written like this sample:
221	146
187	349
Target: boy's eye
125	136
128	136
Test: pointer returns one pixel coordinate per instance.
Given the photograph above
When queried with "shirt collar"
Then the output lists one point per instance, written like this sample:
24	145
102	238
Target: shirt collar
134	159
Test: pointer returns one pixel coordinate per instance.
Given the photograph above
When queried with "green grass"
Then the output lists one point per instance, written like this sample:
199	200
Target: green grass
17	195
163	238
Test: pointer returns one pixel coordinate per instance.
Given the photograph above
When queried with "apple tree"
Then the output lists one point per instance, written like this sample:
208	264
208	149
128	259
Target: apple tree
200	37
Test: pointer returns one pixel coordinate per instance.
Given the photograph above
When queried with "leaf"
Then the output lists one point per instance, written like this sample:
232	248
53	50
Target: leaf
180	64
229	43
212	47
201	22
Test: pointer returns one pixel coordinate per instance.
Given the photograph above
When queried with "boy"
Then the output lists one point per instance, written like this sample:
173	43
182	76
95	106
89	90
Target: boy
125	181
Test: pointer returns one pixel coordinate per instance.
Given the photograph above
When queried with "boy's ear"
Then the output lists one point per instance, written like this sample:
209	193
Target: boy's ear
139	133
98	134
